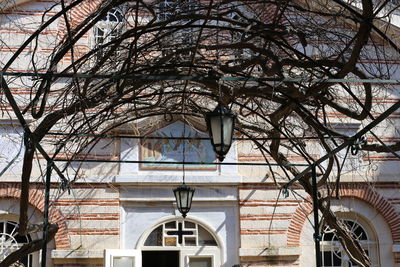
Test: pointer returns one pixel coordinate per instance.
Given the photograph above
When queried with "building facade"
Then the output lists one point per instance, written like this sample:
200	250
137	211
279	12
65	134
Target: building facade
124	214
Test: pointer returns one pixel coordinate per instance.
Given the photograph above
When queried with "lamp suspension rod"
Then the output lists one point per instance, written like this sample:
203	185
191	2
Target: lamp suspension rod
183	152
192	78
181	162
191	138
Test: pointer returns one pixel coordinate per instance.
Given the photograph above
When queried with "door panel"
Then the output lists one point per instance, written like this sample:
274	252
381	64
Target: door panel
160	258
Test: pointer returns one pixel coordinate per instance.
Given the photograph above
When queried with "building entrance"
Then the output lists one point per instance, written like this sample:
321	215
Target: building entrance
160	258
180	243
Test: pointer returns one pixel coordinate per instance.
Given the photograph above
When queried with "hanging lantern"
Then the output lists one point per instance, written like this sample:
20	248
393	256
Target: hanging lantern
183	195
220	124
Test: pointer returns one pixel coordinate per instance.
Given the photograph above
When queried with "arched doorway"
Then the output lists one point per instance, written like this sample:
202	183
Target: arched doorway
180	243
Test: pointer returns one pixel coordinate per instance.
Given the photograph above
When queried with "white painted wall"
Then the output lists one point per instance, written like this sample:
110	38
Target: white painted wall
221	217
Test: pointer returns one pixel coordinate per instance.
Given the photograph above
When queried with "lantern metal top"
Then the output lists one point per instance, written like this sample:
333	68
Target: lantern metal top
220	110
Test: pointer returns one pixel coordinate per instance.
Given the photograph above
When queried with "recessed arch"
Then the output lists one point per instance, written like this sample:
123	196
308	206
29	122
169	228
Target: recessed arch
358	191
366	215
36	199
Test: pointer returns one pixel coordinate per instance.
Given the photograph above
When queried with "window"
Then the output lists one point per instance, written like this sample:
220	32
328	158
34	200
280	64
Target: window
108	28
11	241
238	13
200	261
167	8
180	234
333	254
12	149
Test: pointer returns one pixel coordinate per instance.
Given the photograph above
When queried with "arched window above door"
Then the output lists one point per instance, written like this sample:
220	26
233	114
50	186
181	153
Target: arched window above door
181	242
179	233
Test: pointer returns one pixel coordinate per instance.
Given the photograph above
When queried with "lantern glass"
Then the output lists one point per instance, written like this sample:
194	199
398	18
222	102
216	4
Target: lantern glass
216	129
184	195
221	127
220	123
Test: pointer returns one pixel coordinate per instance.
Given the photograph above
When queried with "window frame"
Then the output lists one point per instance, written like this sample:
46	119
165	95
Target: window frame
33	258
110	254
211	256
111	29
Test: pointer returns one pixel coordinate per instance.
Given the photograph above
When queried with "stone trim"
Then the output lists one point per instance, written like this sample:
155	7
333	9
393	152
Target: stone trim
78	254
36	199
254	262
359	191
286	252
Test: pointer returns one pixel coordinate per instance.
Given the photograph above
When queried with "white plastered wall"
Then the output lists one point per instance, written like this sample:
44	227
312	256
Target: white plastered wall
220	218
